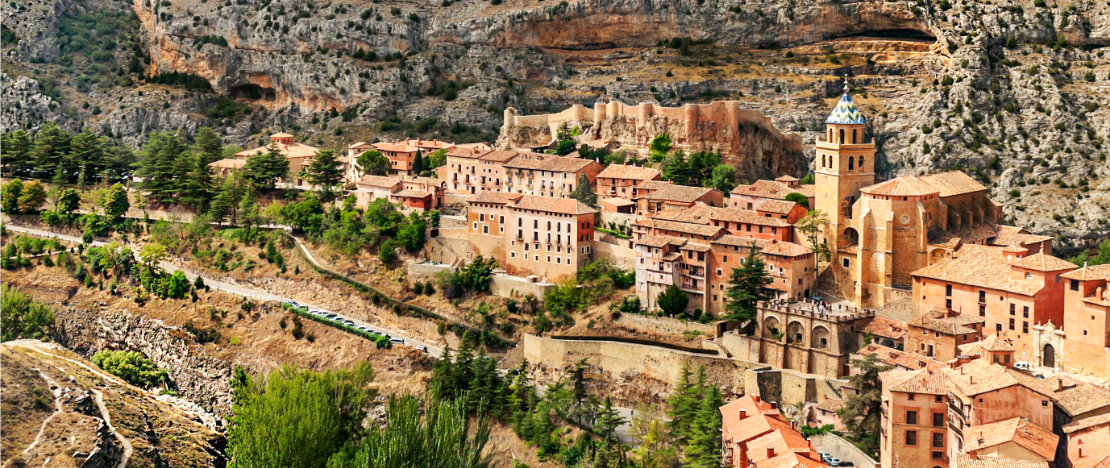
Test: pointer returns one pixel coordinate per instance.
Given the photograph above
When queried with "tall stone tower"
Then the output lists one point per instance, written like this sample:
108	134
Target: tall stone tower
845	163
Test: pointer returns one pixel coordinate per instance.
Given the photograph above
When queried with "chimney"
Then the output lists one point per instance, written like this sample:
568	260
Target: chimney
971	379
774	405
743	414
1080	452
1059	384
770	451
756	398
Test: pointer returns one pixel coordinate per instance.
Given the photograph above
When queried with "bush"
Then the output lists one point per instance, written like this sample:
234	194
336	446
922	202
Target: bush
23	317
132	367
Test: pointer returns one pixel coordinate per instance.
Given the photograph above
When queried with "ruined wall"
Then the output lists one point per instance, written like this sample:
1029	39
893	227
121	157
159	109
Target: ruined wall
744	137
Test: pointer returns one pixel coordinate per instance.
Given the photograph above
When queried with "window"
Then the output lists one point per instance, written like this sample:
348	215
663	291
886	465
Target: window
938	418
1044	402
937	455
938	440
1024	311
910	397
845	262
1011	324
911	437
1074	285
911	417
1025	327
948	303
982	296
1013	309
982	310
485	229
948	290
475	226
998	328
1028	275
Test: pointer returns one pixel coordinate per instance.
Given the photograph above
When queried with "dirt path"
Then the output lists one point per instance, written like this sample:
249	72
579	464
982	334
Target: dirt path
55	390
127	449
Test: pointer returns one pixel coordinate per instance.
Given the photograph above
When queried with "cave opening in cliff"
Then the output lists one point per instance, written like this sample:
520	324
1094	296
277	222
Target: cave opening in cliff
916	35
253	92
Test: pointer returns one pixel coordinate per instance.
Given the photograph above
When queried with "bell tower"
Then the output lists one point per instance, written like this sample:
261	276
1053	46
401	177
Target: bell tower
845	163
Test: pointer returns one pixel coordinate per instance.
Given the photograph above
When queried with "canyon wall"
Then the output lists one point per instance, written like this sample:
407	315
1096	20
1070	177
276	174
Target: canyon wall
745	138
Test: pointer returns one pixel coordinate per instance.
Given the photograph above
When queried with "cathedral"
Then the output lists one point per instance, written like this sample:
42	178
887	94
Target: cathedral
880	233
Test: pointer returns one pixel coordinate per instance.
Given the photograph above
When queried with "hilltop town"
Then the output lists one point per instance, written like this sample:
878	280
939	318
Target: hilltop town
703	314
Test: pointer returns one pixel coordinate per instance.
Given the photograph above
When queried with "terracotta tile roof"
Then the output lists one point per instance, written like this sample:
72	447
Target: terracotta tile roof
830	405
290	151
281	135
1041	262
776	206
786	249
499	156
786	178
396	147
551	164
622	171
675	226
427	144
655	184
755	422
783	438
568	206
379	181
1074	397
413	193
980	376
884	327
497	198
974	234
229	163
963	460
469	150
1087	423
1010	235
1018	430
659	241
953	183
358	144
1089	273
680	193
617	201
896	358
696	247
772	189
704	214
925	380
911	186
997	343
946	321
982	266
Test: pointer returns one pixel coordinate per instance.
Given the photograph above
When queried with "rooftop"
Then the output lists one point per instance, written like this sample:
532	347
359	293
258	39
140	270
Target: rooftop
946	321
291	150
680	193
675	226
379	181
776	206
963	460
499	156
911	186
979	376
1018	430
845	111
704	214
1010	235
622	171
552	164
395	147
916	381
569	206
774	189
884	327
1095	447
497	198
953	183
1089	273
230	163
1075	397
897	358
982	266
1041	262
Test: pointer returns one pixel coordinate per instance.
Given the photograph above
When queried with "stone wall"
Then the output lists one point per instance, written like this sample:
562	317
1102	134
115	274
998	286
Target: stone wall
842	449
663	325
620	257
509	286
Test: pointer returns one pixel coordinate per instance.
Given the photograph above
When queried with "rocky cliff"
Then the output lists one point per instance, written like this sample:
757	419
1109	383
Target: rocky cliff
1012	92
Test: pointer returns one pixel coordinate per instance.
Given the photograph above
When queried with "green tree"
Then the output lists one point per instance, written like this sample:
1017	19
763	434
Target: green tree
15	150
418	163
86	154
811	226
436	159
797	198
1101	257
583	192
115	202
9	196
703	449
298	418
608	420
660	146
672	301
325	172
207	145
654	447
47	153
68	202
412	234
132	367
374	163
159	166
862	410
747	287
723	178
32	197
263	171
21	316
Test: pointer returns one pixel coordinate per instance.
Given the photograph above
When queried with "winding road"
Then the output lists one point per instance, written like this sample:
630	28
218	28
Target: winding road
230	286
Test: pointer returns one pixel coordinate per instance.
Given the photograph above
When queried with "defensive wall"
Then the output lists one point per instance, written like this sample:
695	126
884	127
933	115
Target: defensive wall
630	364
500	284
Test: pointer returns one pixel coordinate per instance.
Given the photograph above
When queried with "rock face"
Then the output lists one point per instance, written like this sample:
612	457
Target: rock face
24	104
745	138
953	84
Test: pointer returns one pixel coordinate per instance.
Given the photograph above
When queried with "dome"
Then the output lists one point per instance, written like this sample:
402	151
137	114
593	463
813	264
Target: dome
845	112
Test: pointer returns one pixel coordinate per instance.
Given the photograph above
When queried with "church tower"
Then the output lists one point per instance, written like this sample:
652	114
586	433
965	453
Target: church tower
845	163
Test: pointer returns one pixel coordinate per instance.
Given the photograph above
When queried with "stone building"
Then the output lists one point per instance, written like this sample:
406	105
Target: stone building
939	332
1088	443
666	196
460	170
750	196
372	187
800	336
754	434
982	392
1015	438
620	181
548	177
1009	289
420	193
914	432
1086	324
299	156
529	235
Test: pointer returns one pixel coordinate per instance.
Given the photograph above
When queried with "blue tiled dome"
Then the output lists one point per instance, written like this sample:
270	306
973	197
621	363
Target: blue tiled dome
845	112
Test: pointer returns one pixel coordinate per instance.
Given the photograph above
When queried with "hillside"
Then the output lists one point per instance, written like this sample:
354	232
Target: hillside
1012	92
60	410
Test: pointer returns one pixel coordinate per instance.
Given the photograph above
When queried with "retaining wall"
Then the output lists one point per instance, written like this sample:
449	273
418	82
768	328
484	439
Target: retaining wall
842	449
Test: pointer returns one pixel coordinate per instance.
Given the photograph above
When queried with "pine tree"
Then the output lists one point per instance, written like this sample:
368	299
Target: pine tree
608	420
681	403
704	447
748	287
15	150
264	170
207	145
326	172
86	150
51	144
583	192
199	187
158	165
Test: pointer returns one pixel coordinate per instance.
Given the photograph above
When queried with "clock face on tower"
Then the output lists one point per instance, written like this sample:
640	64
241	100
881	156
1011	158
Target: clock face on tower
905	219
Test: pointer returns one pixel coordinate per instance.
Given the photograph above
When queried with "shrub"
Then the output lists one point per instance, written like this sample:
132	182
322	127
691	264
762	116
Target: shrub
132	367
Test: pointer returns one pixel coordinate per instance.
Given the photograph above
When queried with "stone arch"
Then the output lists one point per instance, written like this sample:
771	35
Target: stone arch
851	236
861	163
820	337
1048	357
853	136
795	333
771	327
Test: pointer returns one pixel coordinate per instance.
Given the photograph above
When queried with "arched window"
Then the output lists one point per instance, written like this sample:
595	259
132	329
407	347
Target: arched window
842	136
861	162
822	160
853	136
830	136
850	165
